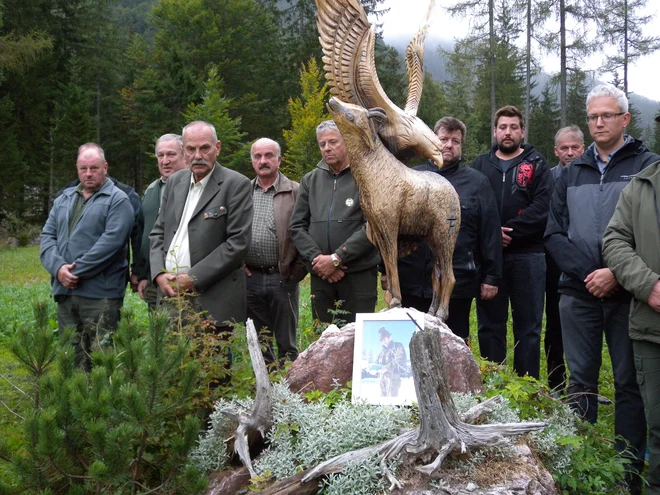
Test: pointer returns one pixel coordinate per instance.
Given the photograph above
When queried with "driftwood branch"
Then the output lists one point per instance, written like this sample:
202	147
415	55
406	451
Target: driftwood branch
260	419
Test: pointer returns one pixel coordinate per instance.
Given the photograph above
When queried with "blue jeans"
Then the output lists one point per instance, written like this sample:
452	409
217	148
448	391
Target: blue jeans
583	323
273	306
524	284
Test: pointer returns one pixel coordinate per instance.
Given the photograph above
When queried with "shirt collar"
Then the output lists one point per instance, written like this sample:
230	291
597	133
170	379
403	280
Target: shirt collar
626	140
202	183
275	185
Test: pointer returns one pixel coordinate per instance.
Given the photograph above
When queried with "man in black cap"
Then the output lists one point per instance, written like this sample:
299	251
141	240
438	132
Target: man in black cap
393	359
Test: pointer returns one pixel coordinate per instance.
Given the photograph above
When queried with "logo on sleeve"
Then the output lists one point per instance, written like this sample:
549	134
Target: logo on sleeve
525	174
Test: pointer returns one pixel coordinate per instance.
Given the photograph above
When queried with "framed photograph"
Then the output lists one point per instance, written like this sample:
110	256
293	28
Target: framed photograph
381	357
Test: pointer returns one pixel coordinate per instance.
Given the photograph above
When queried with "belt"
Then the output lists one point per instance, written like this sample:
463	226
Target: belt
268	270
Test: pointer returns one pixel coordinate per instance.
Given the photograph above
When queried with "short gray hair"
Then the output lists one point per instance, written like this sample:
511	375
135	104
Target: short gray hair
570	129
277	146
169	137
201	122
610	91
326	125
91	146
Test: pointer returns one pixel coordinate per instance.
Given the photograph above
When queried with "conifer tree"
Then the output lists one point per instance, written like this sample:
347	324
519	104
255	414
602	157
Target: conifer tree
433	105
214	108
307	112
622	24
577	102
125	427
545	113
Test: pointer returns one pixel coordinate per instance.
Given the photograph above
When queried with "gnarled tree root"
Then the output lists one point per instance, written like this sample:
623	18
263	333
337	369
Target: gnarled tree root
441	431
260	418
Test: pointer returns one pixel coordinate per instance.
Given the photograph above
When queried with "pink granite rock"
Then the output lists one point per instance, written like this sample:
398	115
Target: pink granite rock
331	358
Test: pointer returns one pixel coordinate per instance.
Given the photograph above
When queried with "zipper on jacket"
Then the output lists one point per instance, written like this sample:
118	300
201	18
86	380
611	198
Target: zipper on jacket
502	199
332	203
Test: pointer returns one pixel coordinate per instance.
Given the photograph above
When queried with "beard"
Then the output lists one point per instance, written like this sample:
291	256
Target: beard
508	148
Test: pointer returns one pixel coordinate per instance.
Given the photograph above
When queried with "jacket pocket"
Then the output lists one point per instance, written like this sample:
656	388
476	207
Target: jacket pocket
215	213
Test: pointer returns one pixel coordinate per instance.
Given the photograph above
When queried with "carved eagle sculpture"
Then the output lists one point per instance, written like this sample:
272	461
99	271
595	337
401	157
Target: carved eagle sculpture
348	43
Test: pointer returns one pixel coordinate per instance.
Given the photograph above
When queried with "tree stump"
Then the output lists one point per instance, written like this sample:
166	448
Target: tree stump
441	430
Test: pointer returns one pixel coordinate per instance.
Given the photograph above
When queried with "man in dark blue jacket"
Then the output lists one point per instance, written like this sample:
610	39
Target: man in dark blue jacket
521	181
592	302
83	247
477	259
569	145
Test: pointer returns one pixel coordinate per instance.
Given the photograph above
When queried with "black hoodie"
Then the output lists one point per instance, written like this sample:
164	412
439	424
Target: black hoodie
522	194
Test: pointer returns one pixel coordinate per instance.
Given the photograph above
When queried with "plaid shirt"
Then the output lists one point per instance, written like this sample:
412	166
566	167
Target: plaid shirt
263	249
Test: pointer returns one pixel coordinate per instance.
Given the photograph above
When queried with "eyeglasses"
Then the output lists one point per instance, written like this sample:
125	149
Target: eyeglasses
607	117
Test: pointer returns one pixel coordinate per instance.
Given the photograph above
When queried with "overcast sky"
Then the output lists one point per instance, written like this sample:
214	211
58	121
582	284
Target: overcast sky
405	17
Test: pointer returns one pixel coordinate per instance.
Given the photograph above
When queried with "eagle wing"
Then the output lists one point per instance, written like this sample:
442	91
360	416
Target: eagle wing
414	65
348	43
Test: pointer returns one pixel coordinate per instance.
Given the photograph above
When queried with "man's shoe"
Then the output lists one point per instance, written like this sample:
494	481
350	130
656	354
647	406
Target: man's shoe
604	400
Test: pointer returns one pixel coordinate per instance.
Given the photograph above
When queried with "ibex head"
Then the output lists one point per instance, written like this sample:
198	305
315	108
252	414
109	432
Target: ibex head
355	122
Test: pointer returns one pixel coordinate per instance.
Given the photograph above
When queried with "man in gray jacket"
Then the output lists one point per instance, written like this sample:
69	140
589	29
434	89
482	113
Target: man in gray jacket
202	234
83	247
328	228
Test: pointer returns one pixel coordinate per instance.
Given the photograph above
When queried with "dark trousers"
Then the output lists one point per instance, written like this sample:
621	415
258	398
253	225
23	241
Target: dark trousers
524	285
273	306
356	291
92	319
151	296
647	364
583	323
459	312
554	347
459	317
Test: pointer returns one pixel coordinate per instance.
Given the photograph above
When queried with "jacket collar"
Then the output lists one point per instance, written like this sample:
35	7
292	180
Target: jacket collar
445	170
527	150
105	188
324	166
632	147
285	184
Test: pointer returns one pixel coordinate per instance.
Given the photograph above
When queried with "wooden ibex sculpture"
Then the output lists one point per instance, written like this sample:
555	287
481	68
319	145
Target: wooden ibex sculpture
402	206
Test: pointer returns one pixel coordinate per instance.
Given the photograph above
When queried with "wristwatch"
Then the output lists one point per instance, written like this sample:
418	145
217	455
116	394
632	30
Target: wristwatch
335	259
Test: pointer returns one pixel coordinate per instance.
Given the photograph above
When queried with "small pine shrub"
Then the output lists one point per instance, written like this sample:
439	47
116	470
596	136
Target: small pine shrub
125	427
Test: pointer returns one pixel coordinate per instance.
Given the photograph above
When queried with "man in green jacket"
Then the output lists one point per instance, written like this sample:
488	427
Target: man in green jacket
631	249
169	153
328	228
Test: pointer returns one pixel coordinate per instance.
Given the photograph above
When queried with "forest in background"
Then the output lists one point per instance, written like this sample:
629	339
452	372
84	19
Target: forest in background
123	72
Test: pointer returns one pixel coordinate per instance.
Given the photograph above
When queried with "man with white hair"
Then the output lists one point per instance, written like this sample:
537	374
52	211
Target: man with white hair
272	265
202	234
592	302
169	153
83	247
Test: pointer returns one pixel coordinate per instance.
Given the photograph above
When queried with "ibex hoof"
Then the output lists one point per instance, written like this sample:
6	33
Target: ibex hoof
395	302
442	313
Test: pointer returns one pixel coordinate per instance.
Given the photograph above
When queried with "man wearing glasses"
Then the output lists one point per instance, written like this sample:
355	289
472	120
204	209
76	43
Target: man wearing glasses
592	302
